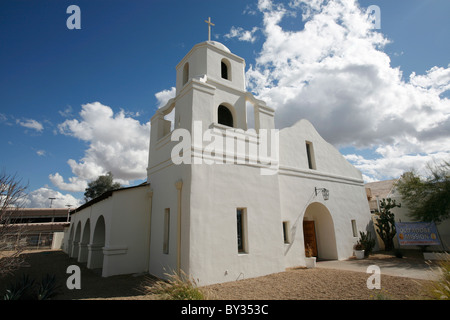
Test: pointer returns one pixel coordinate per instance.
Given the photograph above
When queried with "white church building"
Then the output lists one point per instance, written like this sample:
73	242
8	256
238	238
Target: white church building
227	195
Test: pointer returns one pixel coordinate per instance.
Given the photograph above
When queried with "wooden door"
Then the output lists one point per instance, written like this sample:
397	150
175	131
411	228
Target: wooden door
309	235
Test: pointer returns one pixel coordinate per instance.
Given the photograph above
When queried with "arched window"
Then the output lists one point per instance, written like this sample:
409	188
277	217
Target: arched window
185	73
225	69
224	116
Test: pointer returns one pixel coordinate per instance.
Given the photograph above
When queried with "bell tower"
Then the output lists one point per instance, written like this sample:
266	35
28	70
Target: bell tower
203	159
215	61
210	90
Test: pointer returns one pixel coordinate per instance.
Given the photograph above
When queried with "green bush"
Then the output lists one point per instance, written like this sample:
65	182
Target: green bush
440	289
24	289
381	295
366	240
20	290
177	287
47	287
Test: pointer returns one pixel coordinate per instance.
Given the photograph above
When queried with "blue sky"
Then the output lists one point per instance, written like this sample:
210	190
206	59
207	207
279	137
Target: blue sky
124	58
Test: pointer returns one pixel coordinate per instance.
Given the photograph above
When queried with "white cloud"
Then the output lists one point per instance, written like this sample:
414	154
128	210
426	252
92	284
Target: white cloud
164	96
67	112
3	118
116	143
40	152
335	73
249	10
393	166
241	34
31	124
40	199
436	79
75	184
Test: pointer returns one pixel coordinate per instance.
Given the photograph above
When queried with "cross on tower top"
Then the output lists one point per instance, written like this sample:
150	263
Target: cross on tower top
209	27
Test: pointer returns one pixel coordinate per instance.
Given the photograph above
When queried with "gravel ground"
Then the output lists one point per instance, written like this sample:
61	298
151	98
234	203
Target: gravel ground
317	284
293	284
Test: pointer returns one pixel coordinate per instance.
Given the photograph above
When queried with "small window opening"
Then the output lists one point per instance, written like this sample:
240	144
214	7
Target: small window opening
224	116
286	235
166	230
241	230
310	155
224	70
185	73
354	228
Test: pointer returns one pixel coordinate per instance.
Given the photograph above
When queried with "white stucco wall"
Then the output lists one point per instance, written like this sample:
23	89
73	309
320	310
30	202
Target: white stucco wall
217	191
58	240
126	215
165	196
347	200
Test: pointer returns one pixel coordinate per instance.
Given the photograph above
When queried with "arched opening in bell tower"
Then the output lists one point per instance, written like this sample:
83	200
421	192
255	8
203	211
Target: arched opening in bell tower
225	116
225	69
185	73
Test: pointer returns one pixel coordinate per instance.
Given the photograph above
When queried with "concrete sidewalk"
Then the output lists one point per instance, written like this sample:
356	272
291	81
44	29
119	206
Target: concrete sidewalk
411	267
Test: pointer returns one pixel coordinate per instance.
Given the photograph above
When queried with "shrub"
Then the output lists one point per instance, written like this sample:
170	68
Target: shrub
177	287
309	252
440	289
20	290
367	242
47	288
381	295
23	289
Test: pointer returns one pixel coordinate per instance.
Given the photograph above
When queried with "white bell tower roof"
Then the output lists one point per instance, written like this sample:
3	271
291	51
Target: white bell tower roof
219	46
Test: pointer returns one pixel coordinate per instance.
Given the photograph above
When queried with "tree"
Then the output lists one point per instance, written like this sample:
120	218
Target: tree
428	198
99	186
386	223
12	194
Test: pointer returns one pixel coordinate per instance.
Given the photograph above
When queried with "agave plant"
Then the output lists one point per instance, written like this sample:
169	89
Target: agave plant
20	289
23	289
47	288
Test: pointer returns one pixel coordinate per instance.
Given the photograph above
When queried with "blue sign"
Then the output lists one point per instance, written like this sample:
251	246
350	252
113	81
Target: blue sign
417	233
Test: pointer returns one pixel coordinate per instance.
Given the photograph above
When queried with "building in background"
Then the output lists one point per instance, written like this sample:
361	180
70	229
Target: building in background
39	228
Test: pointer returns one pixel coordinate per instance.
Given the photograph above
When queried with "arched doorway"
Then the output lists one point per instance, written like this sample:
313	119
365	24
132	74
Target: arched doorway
85	239
95	248
318	231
